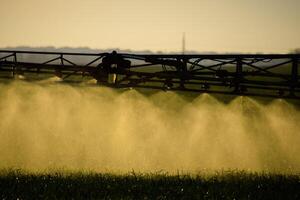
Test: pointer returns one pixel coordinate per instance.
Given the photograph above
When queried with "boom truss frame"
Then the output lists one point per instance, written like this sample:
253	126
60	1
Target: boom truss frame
274	75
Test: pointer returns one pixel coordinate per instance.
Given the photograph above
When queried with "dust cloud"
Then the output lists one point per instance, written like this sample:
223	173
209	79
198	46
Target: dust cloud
57	126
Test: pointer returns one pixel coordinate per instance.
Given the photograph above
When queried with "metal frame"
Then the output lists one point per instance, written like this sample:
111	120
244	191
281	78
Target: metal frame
274	75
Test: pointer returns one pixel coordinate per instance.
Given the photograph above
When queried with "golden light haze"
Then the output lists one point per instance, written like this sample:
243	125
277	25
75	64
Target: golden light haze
209	25
51	126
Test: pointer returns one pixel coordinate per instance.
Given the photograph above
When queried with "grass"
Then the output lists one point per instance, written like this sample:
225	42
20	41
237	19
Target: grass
16	184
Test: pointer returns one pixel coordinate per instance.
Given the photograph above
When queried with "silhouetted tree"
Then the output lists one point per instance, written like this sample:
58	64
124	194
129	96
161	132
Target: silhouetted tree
295	51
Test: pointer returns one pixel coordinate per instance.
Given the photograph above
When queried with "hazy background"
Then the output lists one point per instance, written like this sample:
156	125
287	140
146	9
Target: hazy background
156	25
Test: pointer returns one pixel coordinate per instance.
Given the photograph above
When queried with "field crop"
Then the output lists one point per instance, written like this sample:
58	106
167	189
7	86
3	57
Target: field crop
15	184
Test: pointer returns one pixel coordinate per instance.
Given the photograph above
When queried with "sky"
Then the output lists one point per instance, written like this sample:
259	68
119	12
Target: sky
158	25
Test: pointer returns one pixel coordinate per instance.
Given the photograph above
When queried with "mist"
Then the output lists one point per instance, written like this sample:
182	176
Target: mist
46	125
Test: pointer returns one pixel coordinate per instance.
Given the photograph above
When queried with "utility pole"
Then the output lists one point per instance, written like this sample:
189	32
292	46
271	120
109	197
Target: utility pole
183	43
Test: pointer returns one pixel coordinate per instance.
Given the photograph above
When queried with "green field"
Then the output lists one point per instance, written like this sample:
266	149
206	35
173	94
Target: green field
15	184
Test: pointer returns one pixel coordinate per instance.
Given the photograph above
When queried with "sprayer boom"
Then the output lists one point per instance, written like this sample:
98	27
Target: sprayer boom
274	75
